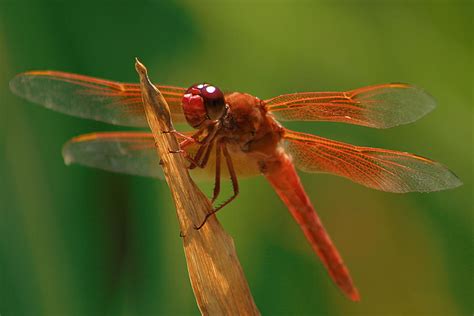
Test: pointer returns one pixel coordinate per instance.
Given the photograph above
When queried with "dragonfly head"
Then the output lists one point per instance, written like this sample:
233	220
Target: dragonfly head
203	102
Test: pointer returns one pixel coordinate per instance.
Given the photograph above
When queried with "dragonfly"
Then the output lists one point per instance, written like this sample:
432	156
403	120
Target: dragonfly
238	135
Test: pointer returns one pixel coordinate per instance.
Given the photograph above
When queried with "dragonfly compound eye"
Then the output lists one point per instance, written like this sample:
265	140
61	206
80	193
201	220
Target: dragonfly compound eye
214	101
203	102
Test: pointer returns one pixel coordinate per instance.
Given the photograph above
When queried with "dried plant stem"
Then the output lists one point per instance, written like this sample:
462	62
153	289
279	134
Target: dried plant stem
216	276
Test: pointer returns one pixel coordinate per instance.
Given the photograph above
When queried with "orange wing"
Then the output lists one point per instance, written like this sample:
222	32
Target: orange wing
380	169
380	106
92	98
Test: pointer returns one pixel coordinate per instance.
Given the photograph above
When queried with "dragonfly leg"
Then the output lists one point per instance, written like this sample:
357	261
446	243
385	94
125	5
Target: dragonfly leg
185	143
207	154
217	182
191	139
205	149
233	177
197	157
200	159
187	140
235	186
179	151
181	135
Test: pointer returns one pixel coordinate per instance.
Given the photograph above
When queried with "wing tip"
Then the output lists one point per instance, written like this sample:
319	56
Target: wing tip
445	180
68	147
21	87
420	104
68	158
25	74
450	180
13	84
431	102
412	102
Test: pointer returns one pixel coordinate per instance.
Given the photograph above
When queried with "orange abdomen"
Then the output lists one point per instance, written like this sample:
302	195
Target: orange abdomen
284	179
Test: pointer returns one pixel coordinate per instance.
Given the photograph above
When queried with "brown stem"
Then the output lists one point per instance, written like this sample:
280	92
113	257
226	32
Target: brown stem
215	273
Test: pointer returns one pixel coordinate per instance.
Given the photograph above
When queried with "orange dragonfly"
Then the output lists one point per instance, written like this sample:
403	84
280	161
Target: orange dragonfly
242	131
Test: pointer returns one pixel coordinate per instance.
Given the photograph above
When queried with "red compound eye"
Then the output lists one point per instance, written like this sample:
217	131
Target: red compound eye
203	101
194	109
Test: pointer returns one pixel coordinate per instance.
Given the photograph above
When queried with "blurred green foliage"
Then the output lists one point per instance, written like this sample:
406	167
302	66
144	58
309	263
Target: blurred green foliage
78	241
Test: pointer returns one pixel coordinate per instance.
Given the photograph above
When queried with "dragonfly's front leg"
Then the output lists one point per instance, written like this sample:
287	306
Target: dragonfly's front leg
186	140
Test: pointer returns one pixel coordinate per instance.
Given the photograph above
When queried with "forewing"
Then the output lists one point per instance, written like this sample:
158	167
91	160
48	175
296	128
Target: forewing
380	169
379	106
92	98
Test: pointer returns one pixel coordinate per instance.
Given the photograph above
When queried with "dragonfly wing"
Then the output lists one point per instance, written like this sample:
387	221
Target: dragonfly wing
92	98
380	169
134	153
124	152
379	106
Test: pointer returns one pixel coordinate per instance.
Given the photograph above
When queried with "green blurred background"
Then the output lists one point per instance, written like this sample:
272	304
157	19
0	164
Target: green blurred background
79	241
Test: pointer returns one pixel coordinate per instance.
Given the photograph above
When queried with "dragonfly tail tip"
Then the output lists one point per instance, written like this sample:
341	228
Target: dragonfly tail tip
354	295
